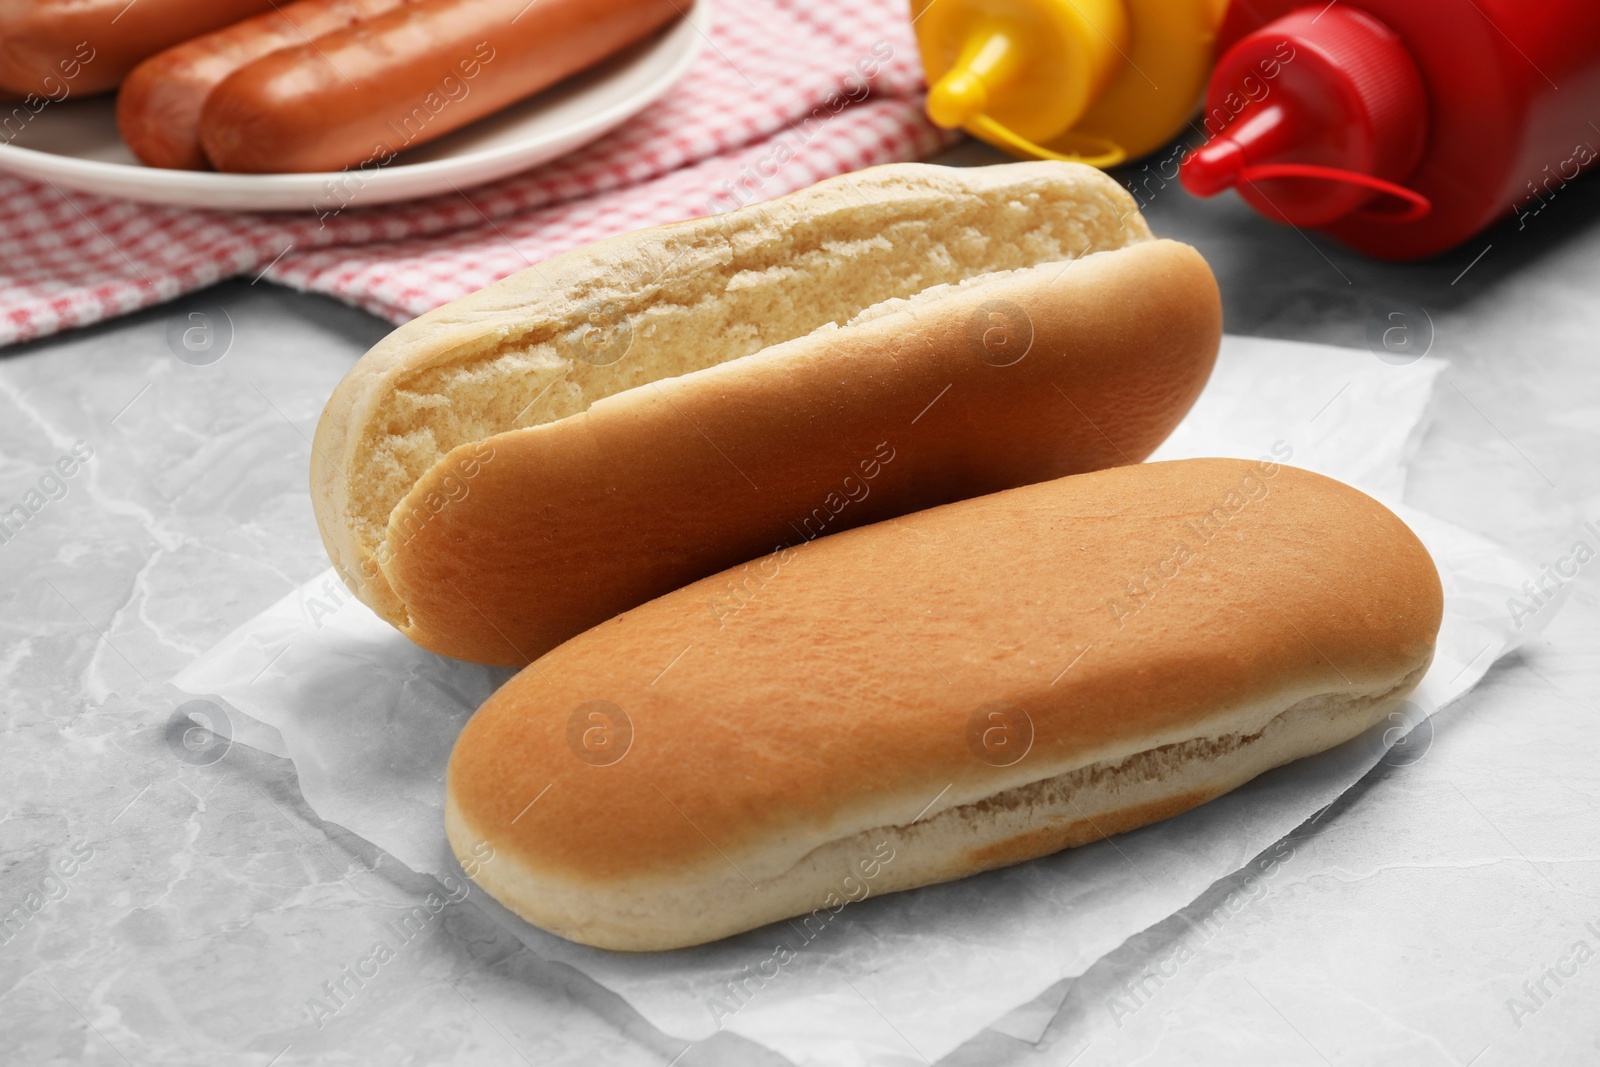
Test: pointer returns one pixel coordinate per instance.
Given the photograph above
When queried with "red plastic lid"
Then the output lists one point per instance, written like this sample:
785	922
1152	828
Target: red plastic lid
1314	117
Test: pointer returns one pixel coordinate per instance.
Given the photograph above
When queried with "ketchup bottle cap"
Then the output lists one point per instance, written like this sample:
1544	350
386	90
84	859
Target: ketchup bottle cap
1315	116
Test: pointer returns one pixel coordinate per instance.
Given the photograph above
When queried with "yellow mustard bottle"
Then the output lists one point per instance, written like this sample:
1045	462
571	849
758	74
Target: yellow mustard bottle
1096	81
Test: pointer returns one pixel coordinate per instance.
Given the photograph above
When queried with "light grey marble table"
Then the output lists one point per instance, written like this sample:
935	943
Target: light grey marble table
164	905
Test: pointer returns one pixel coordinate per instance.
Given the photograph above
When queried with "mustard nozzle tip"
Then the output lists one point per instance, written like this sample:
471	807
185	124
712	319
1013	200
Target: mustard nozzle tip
956	99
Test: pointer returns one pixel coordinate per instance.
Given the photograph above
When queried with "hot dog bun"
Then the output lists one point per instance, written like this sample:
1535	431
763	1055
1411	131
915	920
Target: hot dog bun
936	695
401	79
517	466
88	45
158	106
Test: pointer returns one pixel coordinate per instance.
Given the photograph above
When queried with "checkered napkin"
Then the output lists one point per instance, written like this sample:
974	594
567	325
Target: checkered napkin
785	92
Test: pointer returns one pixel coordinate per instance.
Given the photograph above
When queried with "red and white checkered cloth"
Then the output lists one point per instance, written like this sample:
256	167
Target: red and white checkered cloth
737	121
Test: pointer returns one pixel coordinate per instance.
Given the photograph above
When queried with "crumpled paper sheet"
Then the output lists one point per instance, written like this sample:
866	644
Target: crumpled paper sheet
369	719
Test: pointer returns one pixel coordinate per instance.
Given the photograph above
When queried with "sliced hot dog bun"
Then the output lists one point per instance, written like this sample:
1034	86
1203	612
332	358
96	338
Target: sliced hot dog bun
938	694
519	465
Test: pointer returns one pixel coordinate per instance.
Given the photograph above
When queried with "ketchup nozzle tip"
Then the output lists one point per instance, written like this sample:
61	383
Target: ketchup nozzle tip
1212	168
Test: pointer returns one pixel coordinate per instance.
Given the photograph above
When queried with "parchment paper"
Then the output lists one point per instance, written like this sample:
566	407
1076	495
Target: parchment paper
369	719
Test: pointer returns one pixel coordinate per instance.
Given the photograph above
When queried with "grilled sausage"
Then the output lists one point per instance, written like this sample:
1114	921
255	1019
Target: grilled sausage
158	107
91	44
409	76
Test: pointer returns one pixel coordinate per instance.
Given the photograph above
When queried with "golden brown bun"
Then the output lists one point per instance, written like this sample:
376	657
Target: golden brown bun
1164	632
524	463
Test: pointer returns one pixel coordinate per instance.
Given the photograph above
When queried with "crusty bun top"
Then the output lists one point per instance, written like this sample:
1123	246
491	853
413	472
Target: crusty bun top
512	545
544	344
1123	610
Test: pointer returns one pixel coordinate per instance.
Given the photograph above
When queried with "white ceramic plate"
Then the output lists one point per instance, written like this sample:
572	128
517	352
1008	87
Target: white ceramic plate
74	144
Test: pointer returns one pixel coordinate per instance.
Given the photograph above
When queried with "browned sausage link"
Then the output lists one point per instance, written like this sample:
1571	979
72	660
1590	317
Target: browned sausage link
158	106
404	78
89	45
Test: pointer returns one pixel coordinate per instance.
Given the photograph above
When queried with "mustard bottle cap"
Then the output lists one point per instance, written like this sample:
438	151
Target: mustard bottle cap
1030	68
1065	79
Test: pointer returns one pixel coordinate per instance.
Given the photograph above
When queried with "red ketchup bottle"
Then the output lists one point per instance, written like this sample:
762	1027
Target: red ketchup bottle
1401	127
